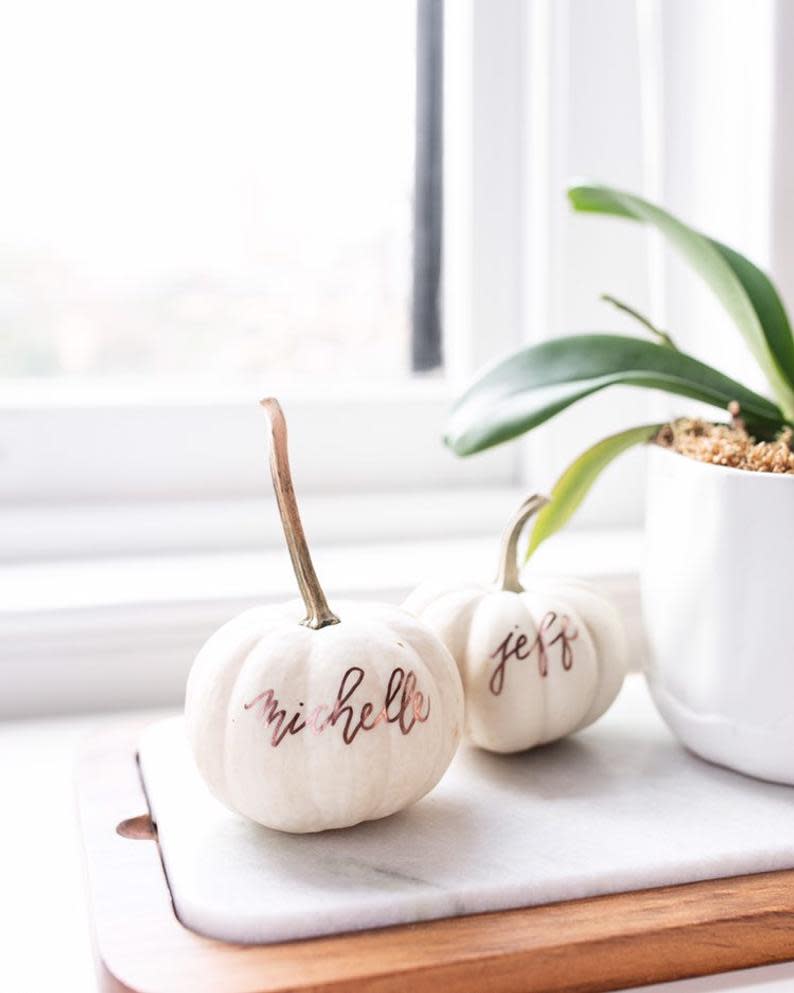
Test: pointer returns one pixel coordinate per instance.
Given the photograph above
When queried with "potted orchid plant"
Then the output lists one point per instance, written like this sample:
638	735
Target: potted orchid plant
718	576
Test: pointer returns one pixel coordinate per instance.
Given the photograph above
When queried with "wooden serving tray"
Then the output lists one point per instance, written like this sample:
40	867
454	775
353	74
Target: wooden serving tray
600	943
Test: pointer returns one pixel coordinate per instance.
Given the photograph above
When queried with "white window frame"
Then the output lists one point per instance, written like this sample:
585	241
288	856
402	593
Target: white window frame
121	465
384	503
115	472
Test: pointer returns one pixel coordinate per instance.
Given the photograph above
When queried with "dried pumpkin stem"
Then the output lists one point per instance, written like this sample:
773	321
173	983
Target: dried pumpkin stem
318	613
507	576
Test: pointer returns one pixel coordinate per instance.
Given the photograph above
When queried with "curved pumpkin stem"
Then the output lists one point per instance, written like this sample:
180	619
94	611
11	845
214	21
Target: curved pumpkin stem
318	613
507	576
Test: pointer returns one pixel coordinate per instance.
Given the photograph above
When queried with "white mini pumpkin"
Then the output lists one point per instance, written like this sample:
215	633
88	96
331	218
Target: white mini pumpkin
537	663
304	725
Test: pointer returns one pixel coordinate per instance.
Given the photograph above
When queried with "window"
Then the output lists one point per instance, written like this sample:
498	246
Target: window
208	203
147	301
204	203
212	190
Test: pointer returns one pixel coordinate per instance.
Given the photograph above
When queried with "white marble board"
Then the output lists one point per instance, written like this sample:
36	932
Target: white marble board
620	806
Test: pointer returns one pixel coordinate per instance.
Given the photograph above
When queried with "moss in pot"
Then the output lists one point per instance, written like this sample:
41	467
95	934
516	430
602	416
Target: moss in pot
728	444
718	576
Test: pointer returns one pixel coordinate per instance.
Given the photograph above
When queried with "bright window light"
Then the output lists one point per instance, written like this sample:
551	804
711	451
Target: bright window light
215	189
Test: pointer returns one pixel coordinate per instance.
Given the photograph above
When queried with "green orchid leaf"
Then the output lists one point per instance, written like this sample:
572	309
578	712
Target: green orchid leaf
575	483
745	292
532	385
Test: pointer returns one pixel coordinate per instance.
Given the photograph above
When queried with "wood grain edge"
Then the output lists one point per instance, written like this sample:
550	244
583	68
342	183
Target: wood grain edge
580	946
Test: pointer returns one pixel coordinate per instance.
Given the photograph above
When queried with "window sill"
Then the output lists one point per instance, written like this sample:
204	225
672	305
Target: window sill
177	527
88	635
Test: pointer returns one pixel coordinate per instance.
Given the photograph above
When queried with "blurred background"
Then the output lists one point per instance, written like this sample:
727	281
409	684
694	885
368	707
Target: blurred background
352	205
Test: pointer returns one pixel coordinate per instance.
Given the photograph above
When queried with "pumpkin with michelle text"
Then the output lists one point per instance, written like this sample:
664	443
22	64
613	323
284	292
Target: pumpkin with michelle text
323	721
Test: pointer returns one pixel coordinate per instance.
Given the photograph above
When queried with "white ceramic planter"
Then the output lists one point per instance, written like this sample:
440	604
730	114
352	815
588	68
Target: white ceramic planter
718	600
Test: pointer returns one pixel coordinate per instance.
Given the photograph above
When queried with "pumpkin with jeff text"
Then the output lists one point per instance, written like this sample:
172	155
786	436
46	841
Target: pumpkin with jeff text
323	721
538	661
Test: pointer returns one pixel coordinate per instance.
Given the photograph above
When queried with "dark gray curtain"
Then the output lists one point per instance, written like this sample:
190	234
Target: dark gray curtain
426	317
